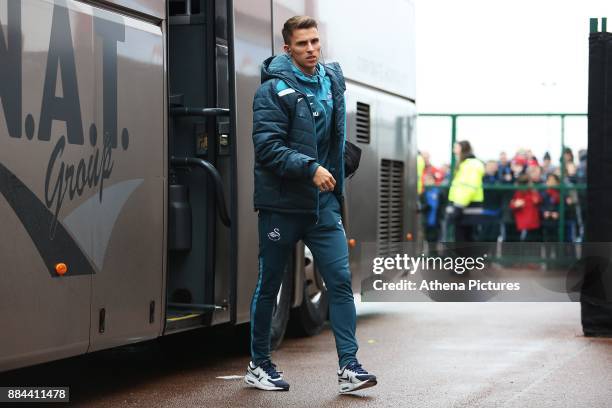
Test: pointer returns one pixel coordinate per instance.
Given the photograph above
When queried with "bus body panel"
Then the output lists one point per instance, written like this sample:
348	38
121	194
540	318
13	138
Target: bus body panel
83	180
392	138
252	44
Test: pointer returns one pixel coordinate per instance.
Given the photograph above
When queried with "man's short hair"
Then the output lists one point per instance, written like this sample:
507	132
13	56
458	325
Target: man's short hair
296	23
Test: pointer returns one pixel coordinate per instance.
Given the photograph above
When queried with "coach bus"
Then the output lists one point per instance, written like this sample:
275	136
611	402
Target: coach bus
126	164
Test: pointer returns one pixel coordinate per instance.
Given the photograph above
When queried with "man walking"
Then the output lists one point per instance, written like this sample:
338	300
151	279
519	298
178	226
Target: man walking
298	135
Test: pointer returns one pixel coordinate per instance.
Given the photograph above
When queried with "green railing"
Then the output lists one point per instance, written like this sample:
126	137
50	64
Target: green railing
563	187
593	22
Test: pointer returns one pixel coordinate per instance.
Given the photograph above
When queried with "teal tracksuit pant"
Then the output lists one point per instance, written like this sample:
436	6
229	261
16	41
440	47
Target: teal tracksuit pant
278	235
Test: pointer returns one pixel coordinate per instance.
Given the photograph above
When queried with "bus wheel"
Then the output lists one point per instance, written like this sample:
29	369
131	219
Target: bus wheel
280	313
308	318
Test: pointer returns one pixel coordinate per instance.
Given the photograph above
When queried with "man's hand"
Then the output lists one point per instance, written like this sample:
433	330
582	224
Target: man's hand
323	179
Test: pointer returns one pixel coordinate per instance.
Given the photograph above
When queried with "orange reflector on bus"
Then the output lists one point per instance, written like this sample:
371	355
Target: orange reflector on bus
409	236
61	269
352	242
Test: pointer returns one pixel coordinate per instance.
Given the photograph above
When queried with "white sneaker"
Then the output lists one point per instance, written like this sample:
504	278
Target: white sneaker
265	377
353	377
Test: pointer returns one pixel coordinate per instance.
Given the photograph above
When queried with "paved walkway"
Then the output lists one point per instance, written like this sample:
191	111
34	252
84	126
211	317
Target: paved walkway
424	354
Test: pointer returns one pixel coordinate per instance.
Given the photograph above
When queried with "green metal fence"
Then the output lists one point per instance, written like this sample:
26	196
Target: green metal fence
564	187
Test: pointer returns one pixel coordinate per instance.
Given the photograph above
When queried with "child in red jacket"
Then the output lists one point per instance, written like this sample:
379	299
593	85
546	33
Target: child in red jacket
525	205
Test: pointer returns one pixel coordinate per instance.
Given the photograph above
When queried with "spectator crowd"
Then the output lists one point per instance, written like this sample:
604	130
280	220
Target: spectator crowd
522	198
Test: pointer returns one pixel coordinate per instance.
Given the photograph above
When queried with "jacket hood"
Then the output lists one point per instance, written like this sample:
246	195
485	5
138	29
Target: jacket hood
280	66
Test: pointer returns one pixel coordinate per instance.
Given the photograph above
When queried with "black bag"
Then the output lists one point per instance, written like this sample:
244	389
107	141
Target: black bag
352	156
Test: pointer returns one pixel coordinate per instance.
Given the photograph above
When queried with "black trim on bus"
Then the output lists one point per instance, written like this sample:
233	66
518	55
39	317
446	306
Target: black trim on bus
128	12
211	126
53	246
191	111
377	89
164	292
195	307
233	295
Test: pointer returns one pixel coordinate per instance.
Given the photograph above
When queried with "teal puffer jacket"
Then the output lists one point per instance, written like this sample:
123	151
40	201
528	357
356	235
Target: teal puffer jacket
285	142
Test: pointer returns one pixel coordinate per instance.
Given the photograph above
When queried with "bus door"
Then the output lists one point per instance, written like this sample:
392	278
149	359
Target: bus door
200	171
124	223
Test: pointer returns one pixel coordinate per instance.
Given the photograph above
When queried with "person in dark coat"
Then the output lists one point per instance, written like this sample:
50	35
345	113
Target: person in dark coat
492	204
298	135
550	209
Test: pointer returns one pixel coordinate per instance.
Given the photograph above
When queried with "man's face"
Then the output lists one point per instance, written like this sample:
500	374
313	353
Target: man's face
491	168
305	48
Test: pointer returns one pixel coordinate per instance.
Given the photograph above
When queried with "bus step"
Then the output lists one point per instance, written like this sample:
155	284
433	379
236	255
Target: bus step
196	307
178	320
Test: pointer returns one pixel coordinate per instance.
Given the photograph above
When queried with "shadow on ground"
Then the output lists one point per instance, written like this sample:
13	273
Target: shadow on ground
111	371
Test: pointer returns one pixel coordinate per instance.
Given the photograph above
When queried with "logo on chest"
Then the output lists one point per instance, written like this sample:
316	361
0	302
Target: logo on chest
314	112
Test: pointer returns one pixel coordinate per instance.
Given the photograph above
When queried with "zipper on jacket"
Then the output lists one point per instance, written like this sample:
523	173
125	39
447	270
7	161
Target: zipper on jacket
314	127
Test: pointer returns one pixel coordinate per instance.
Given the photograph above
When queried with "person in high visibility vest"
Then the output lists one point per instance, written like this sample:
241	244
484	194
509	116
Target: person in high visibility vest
466	194
420	170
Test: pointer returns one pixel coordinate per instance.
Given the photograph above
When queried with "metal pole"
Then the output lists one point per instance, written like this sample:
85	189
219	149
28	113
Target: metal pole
452	164
562	190
453	141
593	25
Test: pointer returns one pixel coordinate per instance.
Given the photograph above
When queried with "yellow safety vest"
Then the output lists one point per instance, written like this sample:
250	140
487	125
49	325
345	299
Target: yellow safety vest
466	187
420	169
